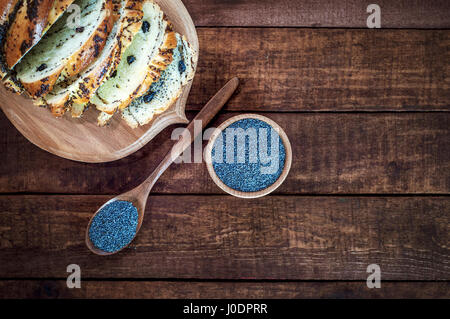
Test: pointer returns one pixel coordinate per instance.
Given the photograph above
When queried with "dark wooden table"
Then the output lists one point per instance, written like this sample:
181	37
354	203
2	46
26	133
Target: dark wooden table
368	115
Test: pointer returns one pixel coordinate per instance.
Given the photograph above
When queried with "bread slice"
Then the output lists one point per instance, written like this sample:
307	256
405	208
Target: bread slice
167	90
154	39
26	29
8	10
128	16
12	84
104	118
32	21
66	50
57	10
158	64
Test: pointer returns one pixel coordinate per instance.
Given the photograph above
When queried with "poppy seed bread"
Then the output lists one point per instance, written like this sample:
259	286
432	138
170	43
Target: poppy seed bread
156	36
162	94
128	17
66	49
116	55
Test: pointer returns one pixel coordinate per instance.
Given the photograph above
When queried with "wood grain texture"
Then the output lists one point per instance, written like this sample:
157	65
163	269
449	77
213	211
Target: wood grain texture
378	153
221	237
82	139
53	289
325	69
277	237
318	13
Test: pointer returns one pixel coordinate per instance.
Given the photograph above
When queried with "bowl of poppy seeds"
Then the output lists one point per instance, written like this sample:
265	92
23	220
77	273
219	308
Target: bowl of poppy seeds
248	156
114	226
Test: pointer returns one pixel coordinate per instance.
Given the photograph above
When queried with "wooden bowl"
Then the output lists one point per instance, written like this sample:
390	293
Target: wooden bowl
82	139
263	192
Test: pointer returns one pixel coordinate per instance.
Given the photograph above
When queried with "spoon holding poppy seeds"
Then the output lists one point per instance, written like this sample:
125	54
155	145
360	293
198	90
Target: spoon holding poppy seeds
135	200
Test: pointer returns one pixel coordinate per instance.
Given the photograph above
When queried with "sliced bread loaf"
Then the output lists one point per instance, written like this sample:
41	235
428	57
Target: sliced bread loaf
155	37
66	49
78	90
166	91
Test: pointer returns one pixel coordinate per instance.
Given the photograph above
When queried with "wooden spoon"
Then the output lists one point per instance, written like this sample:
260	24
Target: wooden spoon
138	196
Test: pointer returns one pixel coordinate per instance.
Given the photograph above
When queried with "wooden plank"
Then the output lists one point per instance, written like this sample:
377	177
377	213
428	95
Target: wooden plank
51	289
221	237
319	13
325	69
378	153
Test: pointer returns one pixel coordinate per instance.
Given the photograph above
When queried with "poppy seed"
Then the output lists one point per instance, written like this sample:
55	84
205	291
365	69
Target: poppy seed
42	67
130	59
145	26
181	67
149	97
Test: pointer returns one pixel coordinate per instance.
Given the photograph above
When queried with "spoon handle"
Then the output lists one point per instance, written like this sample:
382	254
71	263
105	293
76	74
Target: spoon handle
205	116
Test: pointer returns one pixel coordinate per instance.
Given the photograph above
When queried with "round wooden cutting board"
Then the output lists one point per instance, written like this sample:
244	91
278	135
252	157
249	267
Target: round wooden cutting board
81	139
